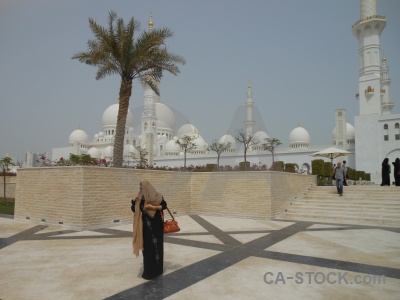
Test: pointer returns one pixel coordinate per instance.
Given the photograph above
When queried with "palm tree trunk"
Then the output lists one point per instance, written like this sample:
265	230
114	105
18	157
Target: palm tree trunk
124	96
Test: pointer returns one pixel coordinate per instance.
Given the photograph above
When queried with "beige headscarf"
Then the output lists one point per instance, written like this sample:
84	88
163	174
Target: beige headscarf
151	196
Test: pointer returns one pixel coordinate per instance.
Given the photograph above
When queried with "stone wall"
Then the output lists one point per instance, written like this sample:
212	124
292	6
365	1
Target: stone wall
10	186
93	197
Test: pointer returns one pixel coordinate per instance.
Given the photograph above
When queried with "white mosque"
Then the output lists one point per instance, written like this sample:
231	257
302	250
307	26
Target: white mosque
375	135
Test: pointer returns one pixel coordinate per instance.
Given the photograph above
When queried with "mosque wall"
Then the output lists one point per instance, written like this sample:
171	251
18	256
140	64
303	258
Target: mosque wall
92	197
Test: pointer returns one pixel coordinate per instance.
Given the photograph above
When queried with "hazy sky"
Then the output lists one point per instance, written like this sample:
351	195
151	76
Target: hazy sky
299	55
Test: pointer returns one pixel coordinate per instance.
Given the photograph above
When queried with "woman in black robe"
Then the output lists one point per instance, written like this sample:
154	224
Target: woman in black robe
396	171
385	172
148	229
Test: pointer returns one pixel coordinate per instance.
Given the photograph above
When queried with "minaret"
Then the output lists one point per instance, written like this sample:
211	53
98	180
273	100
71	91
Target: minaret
387	104
149	117
341	129
249	123
367	30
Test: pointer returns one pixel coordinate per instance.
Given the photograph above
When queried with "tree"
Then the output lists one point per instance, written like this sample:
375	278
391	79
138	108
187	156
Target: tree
219	148
186	144
271	145
247	140
115	51
5	164
140	157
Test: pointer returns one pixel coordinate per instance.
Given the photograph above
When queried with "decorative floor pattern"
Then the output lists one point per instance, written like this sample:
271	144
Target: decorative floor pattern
211	257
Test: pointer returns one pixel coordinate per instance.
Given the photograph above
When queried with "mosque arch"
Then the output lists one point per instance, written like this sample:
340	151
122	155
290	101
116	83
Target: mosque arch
305	168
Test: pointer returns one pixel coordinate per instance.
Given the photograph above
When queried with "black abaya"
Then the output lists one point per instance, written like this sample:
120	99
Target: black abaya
153	242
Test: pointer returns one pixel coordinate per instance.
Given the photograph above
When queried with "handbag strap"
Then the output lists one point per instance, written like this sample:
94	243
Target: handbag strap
162	214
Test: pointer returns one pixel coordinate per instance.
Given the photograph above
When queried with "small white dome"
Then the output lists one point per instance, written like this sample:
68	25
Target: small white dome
350	132
187	129
101	134
131	130
299	136
261	136
129	150
165	116
200	144
96	135
78	135
172	147
110	116
227	138
94	152
108	151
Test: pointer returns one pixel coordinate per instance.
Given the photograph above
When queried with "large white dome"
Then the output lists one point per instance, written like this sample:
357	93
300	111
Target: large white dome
79	136
227	138
187	129
299	136
110	116
165	116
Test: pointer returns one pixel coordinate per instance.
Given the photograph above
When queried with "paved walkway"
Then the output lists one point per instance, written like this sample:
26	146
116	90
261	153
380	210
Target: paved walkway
211	258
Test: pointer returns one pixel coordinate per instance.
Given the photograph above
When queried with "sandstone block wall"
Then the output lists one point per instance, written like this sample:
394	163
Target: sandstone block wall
10	186
93	197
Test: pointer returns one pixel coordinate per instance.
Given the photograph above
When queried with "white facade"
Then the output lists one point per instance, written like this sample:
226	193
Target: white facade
376	135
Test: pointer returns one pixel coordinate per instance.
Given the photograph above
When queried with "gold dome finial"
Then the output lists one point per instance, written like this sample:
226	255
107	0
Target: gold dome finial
384	58
249	85
158	100
298	124
151	22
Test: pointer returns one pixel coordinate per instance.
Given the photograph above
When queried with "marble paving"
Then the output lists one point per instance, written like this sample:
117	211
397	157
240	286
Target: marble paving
211	258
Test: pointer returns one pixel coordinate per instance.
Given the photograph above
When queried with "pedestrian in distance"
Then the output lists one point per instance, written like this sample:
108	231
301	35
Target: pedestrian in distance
339	176
396	171
386	169
345	173
148	229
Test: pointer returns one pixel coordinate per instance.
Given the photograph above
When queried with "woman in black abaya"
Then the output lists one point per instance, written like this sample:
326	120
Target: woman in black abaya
148	229
385	172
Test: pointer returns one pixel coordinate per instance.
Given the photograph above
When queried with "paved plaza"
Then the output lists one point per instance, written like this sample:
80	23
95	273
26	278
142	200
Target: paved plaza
212	257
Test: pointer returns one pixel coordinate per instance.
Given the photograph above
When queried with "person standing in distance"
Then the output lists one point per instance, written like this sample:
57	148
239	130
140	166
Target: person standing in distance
345	173
339	175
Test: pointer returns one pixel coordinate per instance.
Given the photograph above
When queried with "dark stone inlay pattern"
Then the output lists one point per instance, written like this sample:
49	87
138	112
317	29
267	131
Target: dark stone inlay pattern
218	233
332	264
23	235
194	273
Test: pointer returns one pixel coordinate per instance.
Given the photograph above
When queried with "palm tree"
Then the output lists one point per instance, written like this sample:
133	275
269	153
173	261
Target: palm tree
116	51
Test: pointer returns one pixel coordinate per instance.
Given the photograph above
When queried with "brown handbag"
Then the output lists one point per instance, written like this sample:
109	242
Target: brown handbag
170	225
